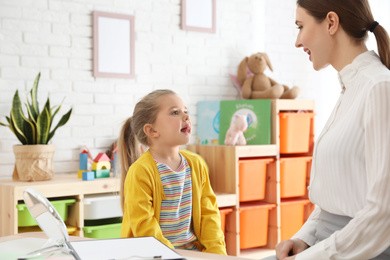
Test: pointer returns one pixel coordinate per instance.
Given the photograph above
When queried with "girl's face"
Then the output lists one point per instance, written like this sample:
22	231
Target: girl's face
314	38
173	123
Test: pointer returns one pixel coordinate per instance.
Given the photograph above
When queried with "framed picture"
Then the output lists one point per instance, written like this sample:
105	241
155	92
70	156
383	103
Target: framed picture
113	45
198	15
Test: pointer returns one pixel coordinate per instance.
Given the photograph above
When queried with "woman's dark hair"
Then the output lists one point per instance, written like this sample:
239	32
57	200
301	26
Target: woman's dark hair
355	18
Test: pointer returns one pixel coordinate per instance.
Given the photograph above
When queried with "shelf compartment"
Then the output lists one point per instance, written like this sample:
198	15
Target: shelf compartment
293	176
292	216
295	132
102	206
223	213
26	220
252	178
254	224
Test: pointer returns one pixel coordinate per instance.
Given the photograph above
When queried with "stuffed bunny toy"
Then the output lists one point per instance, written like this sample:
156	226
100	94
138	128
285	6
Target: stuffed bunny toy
256	85
235	133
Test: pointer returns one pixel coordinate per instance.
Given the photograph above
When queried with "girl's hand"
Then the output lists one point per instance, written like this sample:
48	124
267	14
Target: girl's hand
289	247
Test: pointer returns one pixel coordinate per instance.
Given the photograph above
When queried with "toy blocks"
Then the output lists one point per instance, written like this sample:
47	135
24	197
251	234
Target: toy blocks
83	160
101	166
88	175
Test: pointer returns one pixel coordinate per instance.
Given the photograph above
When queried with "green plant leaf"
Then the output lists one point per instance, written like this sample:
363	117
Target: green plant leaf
34	97
64	119
58	109
29	130
33	117
47	107
43	124
15	130
1	123
16	119
10	125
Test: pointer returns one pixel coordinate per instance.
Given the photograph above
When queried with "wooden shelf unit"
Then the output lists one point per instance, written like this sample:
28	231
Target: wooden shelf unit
61	186
223	170
224	174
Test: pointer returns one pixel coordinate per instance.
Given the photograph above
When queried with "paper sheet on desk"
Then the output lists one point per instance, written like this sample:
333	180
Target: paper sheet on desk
123	248
10	250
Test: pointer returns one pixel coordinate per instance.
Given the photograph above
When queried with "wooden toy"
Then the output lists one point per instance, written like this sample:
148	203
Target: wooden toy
83	160
101	162
80	173
88	176
104	173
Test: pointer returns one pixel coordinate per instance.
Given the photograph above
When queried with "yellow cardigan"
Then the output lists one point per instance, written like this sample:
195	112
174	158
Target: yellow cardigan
143	192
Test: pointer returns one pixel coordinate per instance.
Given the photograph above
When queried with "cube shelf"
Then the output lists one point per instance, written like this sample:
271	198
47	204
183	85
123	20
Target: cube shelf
59	187
232	171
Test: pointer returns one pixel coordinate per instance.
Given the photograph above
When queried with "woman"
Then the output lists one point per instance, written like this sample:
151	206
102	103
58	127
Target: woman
350	179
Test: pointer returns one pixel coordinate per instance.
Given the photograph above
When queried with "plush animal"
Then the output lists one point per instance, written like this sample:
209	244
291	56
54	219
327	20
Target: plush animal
256	85
235	133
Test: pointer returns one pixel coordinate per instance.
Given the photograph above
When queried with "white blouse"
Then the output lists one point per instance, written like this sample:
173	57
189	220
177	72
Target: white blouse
351	166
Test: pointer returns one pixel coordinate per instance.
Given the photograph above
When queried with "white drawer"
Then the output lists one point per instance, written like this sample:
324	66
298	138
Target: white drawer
102	206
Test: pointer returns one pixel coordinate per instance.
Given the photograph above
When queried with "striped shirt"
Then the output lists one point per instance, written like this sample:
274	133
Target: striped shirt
176	209
351	166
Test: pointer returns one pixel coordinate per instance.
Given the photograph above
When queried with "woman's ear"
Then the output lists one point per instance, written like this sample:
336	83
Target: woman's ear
150	131
333	22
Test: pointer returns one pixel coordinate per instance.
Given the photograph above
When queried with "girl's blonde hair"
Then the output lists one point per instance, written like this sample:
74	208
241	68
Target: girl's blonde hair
132	132
355	18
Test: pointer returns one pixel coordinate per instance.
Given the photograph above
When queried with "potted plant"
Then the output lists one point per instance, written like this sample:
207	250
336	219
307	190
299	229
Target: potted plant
34	158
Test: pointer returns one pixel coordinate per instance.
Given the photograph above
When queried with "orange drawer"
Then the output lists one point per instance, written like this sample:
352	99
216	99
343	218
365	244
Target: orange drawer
252	178
292	212
254	224
223	213
293	172
295	132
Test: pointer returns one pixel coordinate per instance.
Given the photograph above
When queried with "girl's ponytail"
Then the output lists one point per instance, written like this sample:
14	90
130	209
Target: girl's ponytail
128	151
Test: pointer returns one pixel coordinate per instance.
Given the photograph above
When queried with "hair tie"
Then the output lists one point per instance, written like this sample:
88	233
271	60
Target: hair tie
373	26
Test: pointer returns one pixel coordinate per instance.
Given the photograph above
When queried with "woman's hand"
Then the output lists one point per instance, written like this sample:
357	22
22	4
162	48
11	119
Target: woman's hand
289	247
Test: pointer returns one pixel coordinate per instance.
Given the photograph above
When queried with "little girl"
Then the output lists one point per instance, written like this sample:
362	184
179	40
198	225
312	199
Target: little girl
166	193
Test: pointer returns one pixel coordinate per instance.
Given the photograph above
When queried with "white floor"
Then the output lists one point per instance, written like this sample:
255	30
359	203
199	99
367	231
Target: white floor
256	253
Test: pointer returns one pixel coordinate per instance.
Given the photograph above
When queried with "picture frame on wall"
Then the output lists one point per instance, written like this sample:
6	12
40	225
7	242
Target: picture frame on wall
113	45
198	15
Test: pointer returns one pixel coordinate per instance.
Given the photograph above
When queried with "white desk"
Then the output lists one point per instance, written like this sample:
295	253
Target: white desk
185	253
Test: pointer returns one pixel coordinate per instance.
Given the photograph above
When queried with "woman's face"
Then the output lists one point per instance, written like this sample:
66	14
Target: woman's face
314	38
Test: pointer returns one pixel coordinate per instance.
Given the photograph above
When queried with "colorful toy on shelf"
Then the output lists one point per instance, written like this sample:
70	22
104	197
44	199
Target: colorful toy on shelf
88	175
83	160
253	83
101	166
235	133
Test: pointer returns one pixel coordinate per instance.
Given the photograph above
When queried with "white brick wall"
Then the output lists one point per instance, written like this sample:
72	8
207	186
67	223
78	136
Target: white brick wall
54	37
